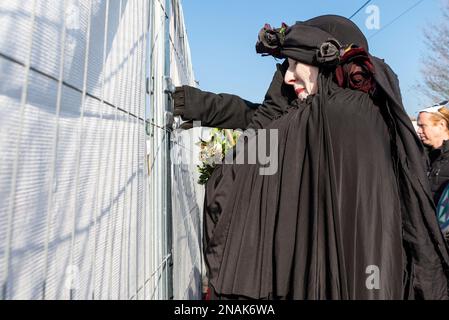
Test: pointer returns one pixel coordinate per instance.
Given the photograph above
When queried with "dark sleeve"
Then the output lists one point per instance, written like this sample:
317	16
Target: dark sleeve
224	111
232	112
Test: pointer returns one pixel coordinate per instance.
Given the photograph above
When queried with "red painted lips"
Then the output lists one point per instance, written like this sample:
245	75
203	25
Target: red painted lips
299	90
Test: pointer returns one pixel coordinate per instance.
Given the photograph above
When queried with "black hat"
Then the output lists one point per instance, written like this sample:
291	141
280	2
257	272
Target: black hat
341	28
304	40
307	44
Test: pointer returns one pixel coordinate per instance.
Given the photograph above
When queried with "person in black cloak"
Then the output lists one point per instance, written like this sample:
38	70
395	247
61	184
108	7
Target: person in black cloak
348	214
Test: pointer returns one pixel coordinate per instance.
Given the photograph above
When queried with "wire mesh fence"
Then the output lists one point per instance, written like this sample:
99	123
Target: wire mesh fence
174	156
86	204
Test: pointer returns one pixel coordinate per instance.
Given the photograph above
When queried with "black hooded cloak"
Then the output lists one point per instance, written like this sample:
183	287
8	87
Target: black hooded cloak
349	204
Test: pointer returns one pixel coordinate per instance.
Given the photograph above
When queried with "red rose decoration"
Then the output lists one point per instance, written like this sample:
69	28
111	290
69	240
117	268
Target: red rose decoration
356	71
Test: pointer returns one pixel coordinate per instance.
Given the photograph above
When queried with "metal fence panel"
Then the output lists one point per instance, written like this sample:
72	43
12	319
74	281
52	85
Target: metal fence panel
72	141
187	195
91	206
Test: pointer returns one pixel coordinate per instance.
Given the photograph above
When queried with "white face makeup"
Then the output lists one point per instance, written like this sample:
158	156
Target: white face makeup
303	78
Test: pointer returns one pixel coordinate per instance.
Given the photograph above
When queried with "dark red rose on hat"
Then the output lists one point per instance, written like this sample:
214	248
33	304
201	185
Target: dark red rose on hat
356	71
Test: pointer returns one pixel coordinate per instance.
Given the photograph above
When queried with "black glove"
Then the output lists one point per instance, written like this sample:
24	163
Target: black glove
178	101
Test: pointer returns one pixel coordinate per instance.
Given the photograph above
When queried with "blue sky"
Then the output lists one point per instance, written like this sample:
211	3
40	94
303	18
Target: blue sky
223	33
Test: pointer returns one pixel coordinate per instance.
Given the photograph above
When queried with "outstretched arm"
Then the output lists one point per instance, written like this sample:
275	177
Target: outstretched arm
224	111
228	111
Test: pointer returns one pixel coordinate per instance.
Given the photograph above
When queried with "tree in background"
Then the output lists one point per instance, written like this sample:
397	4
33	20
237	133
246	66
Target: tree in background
435	69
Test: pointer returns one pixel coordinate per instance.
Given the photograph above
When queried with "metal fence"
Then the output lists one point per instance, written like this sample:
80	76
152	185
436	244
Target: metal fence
173	155
86	203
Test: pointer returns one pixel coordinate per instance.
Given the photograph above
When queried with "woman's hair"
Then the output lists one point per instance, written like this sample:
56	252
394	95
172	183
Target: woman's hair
443	114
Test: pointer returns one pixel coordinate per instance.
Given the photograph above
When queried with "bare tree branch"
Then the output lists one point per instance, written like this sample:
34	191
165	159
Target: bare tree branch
435	65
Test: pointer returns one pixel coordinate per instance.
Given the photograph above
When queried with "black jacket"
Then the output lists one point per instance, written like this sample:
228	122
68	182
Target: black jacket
438	171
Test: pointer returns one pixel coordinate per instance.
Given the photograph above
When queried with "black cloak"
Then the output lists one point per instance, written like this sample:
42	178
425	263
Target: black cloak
350	198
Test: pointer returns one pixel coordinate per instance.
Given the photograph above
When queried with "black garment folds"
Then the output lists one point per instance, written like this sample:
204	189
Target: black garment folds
314	229
331	213
347	215
350	193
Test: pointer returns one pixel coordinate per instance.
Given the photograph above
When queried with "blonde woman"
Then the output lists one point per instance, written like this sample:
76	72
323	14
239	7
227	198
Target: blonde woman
433	130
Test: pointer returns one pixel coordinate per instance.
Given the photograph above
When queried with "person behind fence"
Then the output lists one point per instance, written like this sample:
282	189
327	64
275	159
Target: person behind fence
349	212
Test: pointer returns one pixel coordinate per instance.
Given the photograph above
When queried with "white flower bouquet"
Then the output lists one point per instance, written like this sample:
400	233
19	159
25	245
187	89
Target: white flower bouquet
213	151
